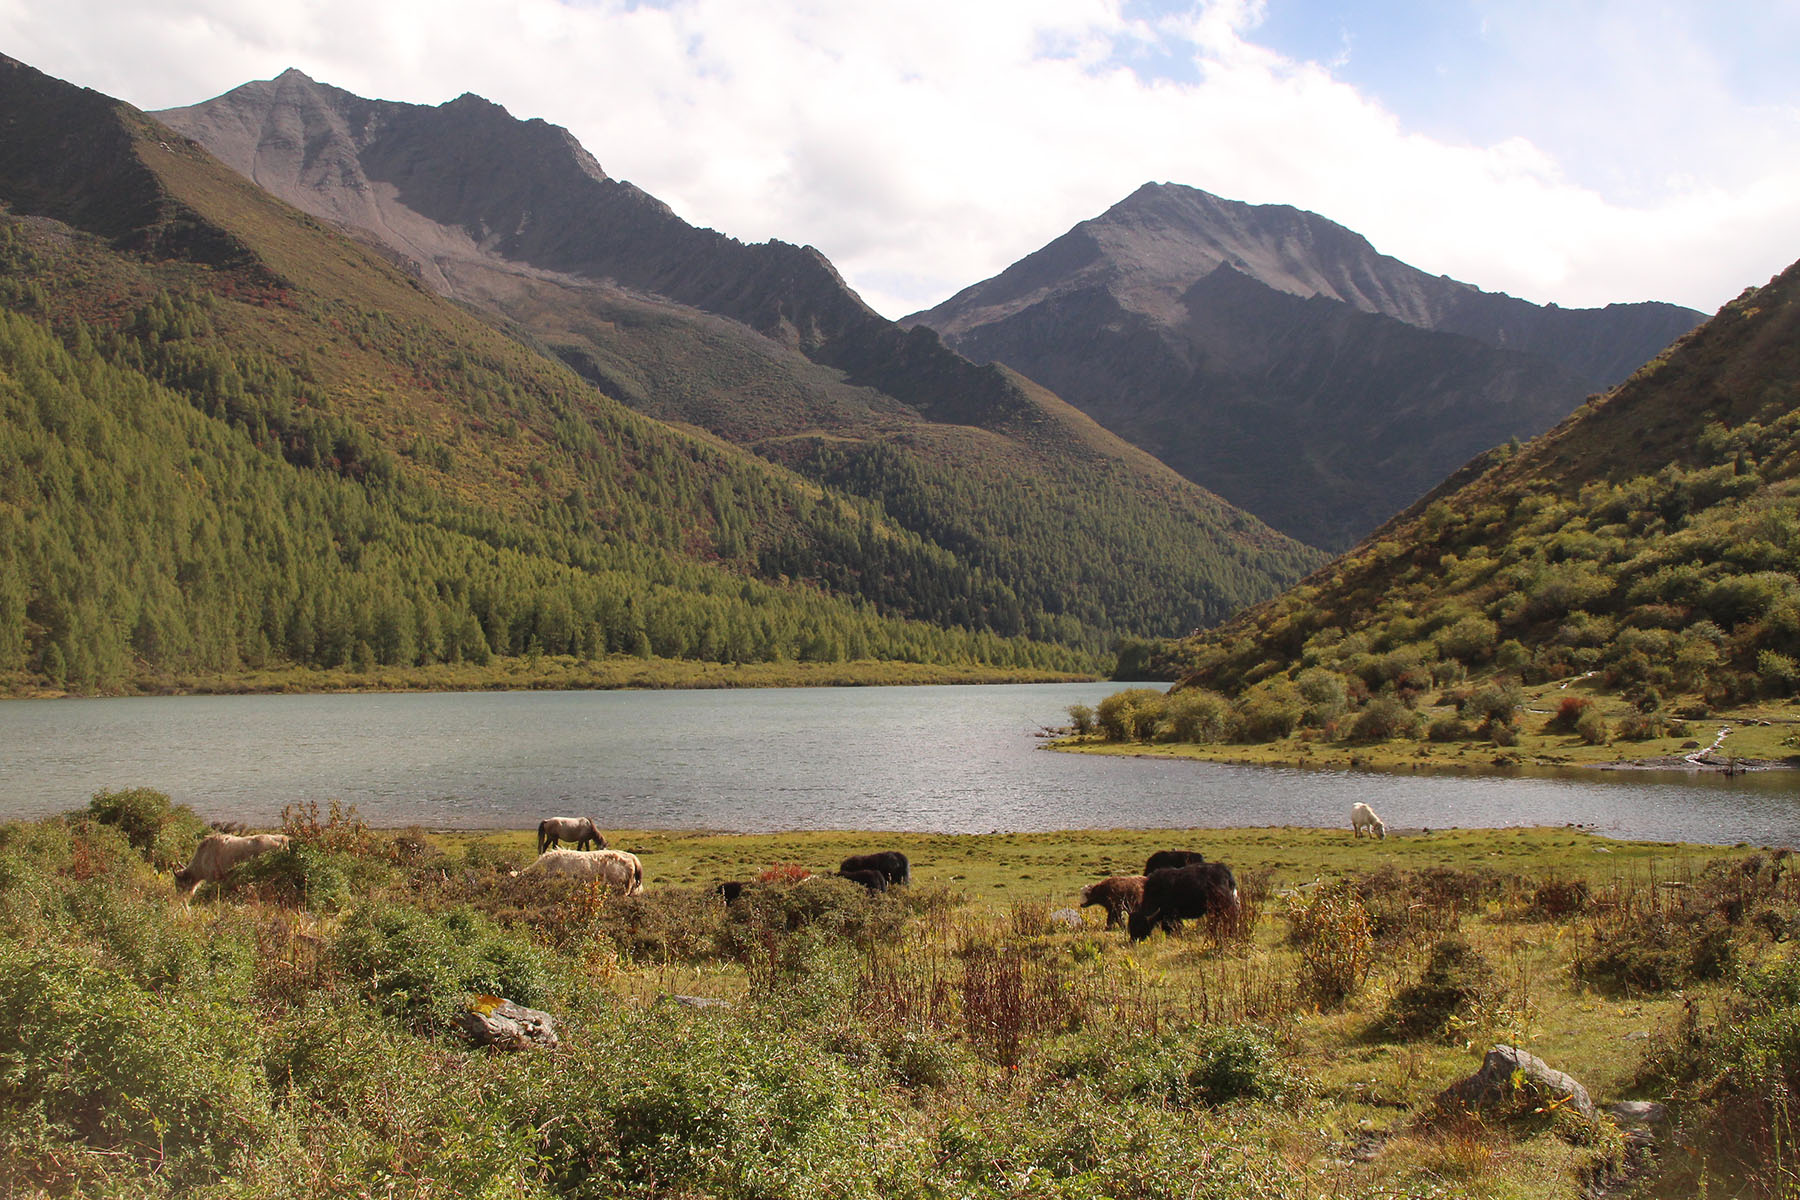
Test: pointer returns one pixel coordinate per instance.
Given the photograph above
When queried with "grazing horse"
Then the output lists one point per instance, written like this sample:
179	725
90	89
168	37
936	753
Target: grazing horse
553	831
1172	896
1362	818
890	863
619	870
218	853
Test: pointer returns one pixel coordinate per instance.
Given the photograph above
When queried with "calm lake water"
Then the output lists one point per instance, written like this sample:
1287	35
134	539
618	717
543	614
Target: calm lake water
930	759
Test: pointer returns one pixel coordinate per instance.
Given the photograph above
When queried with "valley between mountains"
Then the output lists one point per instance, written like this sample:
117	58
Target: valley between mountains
463	342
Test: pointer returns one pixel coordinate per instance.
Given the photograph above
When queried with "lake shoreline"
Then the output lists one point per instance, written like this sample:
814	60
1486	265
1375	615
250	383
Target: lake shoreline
618	673
1404	756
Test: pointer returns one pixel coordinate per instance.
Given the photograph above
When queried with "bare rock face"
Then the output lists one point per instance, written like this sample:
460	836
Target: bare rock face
1494	1083
1278	359
491	1021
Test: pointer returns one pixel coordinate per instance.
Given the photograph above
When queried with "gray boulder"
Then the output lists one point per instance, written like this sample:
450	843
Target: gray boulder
1493	1084
507	1026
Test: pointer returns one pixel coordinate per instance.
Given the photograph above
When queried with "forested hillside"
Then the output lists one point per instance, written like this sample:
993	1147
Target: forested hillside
143	535
1054	525
379	477
1649	546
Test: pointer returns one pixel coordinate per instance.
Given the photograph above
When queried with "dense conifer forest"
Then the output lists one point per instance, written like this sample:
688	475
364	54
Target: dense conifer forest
171	504
235	440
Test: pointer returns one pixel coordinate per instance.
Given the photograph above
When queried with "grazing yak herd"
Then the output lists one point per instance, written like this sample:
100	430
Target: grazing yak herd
1176	886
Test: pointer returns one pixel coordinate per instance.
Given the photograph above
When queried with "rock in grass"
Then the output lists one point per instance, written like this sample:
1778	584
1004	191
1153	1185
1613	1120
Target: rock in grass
492	1021
1502	1073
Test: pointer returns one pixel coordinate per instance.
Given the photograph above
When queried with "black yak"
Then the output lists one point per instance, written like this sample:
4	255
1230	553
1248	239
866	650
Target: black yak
1168	860
890	863
1172	896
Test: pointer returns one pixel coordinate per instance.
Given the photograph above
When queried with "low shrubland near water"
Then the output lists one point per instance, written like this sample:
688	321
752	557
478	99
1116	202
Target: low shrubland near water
290	1031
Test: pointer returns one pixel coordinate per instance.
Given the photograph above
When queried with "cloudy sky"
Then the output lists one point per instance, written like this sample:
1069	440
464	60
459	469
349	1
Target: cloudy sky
1576	151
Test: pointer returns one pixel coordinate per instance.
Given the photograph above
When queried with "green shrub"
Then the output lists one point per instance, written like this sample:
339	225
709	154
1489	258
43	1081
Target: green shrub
1326	694
1471	639
365	1101
1455	986
1130	715
1268	713
1494	705
1208	1066
668	1102
1559	898
421	967
1449	729
917	1059
658	926
1778	674
1511	655
1383	718
164	833
304	875
91	1060
1196	715
1642	726
497	855
1073	1145
1081	719
138	937
1736	1077
1653	953
1569	711
1591	727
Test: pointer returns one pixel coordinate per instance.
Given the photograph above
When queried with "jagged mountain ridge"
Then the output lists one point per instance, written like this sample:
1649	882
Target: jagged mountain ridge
1186	323
441	182
1156	243
760	344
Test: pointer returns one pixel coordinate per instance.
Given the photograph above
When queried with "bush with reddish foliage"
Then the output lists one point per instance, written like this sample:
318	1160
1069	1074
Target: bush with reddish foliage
1568	714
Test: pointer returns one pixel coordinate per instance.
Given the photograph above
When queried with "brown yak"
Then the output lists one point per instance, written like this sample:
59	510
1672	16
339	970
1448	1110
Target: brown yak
1120	895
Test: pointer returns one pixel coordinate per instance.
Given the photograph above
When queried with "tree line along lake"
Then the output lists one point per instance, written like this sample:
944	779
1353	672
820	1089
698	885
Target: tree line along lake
949	759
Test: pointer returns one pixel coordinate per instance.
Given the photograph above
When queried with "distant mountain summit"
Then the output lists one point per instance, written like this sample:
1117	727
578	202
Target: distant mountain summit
765	346
1277	358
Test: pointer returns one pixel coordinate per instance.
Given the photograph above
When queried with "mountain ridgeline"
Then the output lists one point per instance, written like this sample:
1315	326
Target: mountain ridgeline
231	438
764	346
1649	543
1276	358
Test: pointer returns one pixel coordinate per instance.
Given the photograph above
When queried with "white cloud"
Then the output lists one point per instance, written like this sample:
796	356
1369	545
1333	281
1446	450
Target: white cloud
926	144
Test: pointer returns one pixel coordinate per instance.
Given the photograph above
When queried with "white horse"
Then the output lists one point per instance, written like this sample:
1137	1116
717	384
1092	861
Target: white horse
1362	818
619	870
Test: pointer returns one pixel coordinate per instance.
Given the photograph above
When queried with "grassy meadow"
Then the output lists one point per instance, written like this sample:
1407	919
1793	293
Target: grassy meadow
289	1032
